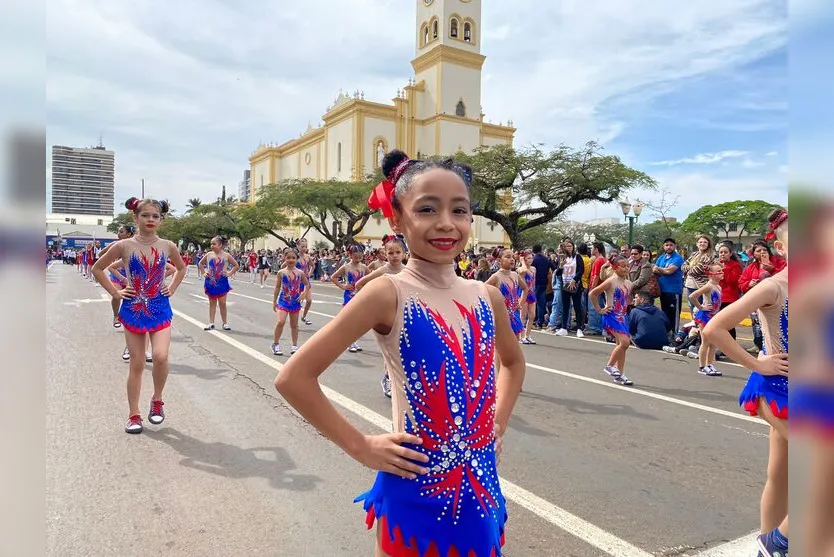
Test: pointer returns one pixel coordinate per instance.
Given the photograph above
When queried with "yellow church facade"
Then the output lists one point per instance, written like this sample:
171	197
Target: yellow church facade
437	113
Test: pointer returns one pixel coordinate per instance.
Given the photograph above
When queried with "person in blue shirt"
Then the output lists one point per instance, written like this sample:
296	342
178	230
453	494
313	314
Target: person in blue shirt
649	327
667	267
542	265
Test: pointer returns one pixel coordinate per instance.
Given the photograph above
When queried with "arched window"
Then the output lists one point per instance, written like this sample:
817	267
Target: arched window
424	31
453	28
339	157
460	109
467	32
434	30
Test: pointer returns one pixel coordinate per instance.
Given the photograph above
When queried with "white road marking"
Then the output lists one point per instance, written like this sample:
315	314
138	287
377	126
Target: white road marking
607	384
745	545
557	516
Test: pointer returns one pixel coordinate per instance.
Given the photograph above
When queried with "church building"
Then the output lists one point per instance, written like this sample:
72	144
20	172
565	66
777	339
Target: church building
437	113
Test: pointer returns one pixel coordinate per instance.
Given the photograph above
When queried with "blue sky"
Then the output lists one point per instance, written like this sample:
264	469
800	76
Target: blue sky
695	94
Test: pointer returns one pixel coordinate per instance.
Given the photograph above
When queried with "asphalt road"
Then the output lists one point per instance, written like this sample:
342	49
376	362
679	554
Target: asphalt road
667	467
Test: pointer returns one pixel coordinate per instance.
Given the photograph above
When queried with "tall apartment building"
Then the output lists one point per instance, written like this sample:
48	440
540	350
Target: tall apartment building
82	180
243	187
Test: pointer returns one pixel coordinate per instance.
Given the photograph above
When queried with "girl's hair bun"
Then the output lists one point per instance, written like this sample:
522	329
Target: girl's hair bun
163	207
132	204
391	160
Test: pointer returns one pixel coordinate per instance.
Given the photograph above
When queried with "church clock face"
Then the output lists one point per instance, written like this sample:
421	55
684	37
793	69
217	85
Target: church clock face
427	3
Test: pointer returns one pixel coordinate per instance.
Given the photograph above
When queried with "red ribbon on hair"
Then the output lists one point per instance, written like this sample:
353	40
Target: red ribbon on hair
776	223
381	198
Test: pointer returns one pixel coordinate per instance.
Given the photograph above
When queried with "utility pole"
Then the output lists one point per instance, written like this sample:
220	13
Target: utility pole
143	188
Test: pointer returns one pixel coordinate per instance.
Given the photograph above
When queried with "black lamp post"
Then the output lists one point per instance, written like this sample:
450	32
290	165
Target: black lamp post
627	208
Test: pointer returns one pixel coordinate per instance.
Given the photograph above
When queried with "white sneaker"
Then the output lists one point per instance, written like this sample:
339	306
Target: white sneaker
561	333
126	354
579	333
276	349
226	327
612	371
262	285
293	349
352	348
148	357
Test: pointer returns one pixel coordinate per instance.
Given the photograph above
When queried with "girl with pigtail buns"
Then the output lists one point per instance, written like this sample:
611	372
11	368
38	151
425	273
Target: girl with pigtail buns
145	308
437	491
216	267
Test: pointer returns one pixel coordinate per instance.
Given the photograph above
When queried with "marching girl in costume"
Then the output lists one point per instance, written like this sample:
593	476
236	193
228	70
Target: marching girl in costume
766	391
437	492
116	277
617	290
381	257
528	306
145	309
217	266
305	263
394	249
353	270
290	285
707	309
511	287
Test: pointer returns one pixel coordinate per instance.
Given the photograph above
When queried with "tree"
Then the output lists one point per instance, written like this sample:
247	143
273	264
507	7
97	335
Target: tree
192	204
739	217
663	206
523	189
122	219
264	219
335	209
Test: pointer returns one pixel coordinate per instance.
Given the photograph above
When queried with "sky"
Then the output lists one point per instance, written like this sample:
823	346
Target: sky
693	93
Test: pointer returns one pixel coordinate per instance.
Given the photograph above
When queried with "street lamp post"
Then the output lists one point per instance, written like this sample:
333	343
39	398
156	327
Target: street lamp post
627	208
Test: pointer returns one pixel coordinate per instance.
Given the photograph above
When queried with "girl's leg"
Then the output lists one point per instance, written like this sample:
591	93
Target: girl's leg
115	303
775	495
566	301
136	346
623	342
212	309
703	354
160	343
294	328
531	317
710	354
576	297
279	326
222	303
308	303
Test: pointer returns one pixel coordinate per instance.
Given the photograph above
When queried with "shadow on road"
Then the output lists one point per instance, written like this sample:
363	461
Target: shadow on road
230	461
522	426
209	374
583	407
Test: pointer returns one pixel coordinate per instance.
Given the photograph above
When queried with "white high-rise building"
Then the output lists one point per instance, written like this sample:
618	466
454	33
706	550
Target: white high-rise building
83	180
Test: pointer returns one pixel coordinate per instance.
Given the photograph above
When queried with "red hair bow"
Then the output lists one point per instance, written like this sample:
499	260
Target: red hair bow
381	198
776	223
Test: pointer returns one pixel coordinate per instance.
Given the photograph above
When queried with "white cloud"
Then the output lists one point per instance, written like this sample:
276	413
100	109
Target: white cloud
704	158
184	99
772	154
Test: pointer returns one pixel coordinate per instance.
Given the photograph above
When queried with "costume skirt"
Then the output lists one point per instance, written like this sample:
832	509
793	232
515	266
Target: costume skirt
813	407
146	315
515	321
612	325
217	287
774	389
414	524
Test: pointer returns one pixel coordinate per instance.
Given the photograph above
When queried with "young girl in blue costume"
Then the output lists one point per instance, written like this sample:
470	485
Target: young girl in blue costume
437	492
353	270
766	391
290	285
512	288
219	266
528	314
617	290
394	249
145	308
710	293
306	264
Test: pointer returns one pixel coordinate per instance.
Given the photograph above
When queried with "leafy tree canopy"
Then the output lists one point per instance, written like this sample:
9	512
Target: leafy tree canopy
731	220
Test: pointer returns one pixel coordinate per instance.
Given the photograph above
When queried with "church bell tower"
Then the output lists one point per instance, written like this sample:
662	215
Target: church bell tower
448	60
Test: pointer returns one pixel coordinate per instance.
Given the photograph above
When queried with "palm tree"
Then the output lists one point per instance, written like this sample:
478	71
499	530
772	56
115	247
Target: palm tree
192	204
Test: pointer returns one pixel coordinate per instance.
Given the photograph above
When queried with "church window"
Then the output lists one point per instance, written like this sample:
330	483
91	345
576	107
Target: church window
467	32
460	109
339	157
434	30
424	31
453	28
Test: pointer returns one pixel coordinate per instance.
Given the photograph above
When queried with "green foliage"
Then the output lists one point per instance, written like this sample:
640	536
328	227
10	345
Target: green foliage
335	209
747	217
521	189
122	219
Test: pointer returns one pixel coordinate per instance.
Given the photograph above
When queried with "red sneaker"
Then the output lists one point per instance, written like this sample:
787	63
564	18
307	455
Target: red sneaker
134	424
156	416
